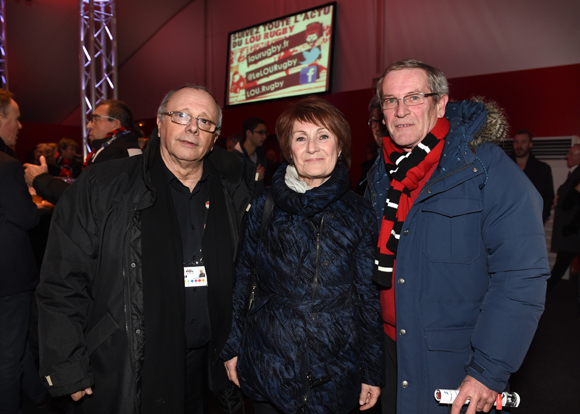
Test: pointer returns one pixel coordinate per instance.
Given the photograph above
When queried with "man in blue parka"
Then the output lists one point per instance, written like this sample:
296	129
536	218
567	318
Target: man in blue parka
461	259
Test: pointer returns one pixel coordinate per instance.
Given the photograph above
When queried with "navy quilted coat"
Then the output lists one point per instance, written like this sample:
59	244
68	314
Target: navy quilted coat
471	265
314	333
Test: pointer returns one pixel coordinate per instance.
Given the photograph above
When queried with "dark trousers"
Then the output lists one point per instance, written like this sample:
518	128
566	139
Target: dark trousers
263	407
563	260
389	392
197	393
16	363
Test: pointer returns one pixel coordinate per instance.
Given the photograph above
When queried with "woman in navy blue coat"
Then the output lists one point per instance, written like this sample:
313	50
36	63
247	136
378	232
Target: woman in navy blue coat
312	340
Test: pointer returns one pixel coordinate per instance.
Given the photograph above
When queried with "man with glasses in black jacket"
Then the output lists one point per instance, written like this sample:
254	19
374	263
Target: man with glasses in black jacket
110	132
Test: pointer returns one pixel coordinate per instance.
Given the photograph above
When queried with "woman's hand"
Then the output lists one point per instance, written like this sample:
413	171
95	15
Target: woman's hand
368	396
80	394
233	373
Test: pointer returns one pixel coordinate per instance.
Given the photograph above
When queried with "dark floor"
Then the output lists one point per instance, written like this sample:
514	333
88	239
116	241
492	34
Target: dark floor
549	379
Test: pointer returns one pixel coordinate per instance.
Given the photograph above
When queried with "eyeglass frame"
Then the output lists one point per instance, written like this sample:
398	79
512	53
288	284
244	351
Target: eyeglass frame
170	114
92	116
371	121
259	132
425	95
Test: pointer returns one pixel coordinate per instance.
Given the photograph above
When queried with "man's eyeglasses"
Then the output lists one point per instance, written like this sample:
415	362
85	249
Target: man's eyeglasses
261	132
409	100
94	118
373	122
182	118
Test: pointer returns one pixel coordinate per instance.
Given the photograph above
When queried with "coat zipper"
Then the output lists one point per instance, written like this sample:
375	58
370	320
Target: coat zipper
314	291
315	281
252	295
127	295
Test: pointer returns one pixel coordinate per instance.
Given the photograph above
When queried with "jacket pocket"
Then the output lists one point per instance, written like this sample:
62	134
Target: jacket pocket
100	333
448	351
449	339
452	230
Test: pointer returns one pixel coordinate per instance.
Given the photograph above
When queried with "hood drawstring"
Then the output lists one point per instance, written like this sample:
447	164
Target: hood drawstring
485	172
482	166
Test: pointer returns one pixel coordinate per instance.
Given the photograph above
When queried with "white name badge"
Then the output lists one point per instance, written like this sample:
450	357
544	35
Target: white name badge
194	276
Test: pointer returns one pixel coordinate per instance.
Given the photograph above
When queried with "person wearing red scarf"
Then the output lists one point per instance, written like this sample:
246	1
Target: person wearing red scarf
461	259
110	134
69	162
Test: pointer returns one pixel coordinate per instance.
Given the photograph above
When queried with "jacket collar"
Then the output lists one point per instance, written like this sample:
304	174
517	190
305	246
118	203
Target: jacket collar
227	165
312	201
6	149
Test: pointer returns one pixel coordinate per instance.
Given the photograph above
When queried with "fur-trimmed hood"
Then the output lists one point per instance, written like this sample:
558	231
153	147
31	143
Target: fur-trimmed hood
496	127
486	121
472	124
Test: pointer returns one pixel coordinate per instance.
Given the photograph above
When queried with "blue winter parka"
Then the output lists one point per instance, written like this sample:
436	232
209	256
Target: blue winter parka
314	332
471	265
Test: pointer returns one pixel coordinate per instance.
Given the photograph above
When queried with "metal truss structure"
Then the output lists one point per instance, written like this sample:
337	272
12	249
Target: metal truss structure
98	56
3	65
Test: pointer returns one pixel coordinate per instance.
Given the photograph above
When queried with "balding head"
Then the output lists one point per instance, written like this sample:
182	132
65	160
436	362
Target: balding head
573	156
9	115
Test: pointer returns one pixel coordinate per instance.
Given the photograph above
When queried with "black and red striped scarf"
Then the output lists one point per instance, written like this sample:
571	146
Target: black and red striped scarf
406	170
110	137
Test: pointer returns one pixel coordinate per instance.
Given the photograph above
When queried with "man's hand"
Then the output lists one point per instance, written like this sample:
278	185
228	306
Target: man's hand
368	396
80	394
231	369
260	170
32	170
481	398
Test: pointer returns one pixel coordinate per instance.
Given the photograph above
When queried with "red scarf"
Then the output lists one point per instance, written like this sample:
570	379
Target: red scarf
65	168
406	169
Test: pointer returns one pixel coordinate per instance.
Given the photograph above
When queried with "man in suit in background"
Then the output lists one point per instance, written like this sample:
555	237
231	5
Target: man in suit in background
18	272
565	236
539	173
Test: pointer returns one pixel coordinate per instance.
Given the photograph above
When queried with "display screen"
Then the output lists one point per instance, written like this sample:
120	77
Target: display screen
280	58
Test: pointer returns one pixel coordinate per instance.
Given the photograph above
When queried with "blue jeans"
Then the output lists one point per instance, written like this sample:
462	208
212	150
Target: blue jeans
15	358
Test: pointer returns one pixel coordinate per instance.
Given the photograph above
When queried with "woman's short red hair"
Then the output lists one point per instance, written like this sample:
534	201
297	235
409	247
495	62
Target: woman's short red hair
317	111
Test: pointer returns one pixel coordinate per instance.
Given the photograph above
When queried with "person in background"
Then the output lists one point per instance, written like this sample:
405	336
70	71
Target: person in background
272	165
110	134
311	341
378	129
254	134
232	141
47	151
539	173
565	233
18	271
70	163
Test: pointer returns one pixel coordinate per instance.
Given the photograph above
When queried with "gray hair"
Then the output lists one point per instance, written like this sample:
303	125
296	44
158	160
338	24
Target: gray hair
163	105
375	103
436	80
